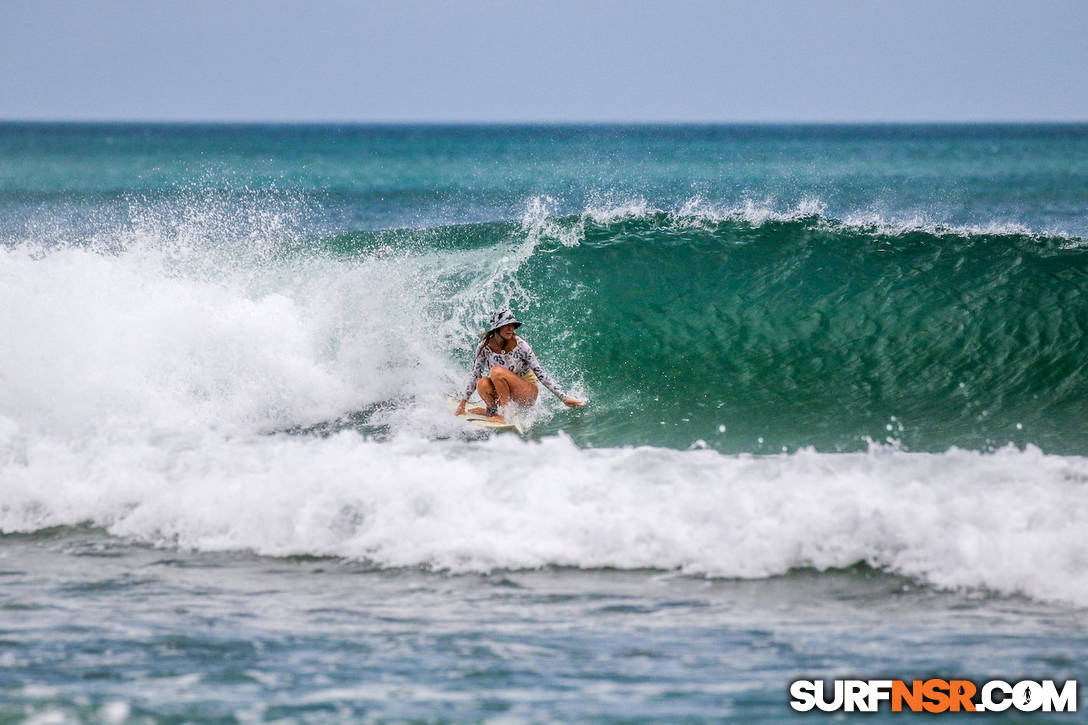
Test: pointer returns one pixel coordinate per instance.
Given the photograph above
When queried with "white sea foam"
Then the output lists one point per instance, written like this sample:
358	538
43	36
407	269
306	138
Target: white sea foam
605	211
150	332
698	212
1009	521
758	212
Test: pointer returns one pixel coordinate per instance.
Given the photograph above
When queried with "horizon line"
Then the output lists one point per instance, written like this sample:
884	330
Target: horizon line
544	122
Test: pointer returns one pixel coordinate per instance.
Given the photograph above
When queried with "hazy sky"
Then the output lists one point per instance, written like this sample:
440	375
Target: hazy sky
553	60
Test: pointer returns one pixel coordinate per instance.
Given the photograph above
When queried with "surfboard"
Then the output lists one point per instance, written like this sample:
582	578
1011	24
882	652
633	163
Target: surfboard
482	420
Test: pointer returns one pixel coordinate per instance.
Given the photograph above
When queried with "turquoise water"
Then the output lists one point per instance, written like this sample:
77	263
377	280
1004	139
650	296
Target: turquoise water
836	385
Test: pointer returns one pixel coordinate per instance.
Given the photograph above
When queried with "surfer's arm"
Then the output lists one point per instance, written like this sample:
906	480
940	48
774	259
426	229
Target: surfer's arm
477	373
543	377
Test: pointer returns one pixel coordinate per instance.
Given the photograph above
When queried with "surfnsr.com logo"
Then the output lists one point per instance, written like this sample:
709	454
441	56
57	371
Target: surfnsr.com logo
933	695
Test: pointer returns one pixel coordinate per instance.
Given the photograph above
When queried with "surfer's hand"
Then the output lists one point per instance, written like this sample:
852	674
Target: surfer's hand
461	408
572	403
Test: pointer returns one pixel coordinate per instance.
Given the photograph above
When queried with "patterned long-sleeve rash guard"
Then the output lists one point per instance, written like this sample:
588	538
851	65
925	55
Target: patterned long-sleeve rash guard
518	361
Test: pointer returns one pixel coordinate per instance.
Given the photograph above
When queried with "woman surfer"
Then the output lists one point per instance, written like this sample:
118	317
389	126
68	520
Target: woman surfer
513	370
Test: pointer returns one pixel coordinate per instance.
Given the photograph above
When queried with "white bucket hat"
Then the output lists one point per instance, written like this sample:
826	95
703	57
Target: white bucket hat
501	318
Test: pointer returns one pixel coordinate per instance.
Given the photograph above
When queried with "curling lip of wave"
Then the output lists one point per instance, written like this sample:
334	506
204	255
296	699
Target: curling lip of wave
757	212
542	223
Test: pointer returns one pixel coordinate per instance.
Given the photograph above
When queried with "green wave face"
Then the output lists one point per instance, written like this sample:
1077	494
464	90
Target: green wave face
758	336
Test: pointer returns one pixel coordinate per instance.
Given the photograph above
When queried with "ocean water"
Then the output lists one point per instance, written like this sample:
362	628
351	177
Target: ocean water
836	425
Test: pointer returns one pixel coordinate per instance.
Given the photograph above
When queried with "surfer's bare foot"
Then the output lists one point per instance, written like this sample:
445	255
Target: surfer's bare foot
477	411
496	419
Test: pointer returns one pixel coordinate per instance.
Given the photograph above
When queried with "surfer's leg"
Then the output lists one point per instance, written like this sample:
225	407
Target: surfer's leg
511	387
502	386
486	389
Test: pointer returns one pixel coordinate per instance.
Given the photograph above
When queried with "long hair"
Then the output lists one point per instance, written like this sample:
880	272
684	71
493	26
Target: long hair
483	341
